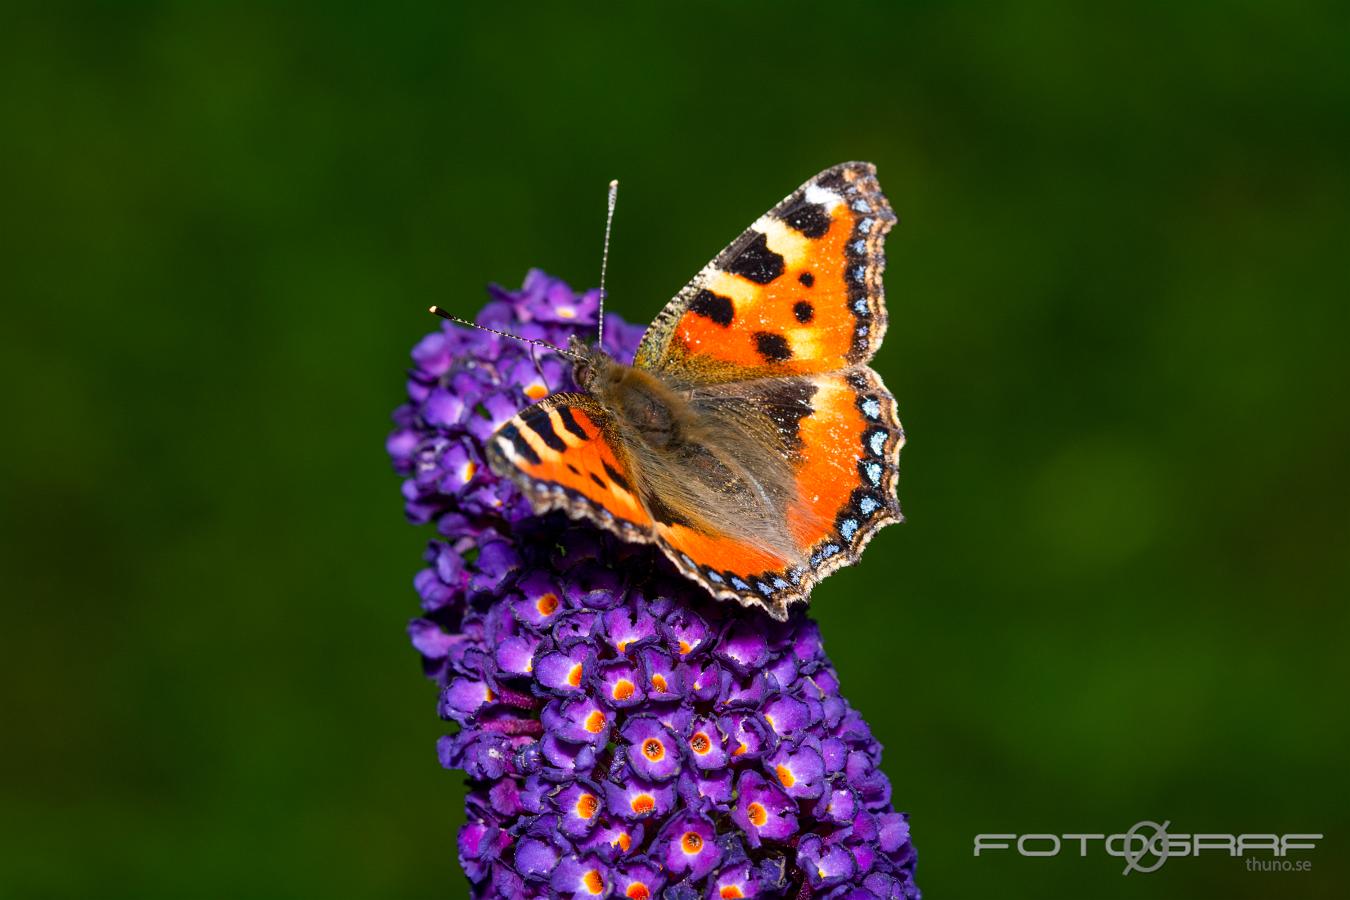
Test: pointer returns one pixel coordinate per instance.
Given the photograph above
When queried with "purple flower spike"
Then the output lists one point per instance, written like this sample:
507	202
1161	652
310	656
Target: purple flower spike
624	735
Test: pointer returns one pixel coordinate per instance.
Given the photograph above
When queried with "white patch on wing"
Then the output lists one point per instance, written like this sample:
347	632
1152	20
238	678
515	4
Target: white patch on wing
784	240
823	197
803	342
507	450
740	291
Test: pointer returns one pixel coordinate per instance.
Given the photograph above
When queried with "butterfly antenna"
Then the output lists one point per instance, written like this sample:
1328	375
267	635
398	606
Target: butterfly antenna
604	259
437	311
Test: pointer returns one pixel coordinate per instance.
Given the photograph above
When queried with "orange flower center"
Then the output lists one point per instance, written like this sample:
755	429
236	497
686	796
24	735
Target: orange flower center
758	814
659	682
699	743
547	604
624	841
587	804
536	391
595	722
574	675
731	892
643	804
740	748
691	843
594	883
638	891
785	775
653	750
623	689
685	647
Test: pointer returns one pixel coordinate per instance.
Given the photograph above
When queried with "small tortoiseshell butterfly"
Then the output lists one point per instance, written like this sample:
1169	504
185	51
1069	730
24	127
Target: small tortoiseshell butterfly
749	440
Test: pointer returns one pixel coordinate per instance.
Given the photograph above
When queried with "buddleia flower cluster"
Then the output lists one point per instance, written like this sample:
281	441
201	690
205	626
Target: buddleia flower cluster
624	735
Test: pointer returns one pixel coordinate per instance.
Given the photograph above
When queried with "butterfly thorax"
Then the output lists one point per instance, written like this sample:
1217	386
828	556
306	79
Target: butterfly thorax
638	399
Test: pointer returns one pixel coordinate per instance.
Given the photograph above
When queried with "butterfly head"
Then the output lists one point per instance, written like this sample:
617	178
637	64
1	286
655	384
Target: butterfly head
591	366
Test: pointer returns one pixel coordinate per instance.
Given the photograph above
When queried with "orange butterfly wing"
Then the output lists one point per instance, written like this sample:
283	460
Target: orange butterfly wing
842	440
561	453
786	318
799	292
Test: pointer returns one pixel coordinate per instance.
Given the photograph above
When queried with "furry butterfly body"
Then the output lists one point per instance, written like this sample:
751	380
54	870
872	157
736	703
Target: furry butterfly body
749	440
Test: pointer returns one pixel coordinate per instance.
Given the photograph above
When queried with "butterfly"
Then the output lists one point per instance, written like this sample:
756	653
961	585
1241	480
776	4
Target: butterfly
748	440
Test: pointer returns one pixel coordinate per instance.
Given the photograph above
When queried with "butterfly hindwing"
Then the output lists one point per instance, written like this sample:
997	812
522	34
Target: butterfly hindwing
847	469
798	292
839	435
563	454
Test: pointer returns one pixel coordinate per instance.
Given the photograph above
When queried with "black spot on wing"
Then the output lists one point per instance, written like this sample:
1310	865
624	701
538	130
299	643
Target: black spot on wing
570	423
810	219
804	311
542	425
807	279
617	477
773	347
713	306
599	482
522	447
573	469
753	260
833	179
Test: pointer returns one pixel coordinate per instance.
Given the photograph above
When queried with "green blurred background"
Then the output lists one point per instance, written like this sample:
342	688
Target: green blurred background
1118	307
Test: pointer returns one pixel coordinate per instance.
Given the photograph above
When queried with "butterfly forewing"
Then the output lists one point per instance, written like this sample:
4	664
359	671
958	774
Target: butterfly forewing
563	454
798	292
